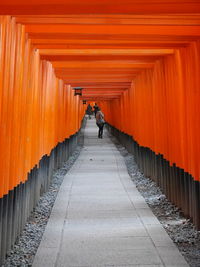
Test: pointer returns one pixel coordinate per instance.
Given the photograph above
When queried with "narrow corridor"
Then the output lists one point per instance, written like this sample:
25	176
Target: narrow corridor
99	217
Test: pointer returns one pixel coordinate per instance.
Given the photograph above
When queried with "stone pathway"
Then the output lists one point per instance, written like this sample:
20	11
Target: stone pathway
99	217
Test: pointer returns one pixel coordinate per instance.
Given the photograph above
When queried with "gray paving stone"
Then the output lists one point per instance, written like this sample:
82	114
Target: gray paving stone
159	236
112	257
171	256
147	216
92	232
45	257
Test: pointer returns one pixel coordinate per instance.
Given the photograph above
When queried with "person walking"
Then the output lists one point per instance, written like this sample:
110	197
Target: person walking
100	122
95	107
89	111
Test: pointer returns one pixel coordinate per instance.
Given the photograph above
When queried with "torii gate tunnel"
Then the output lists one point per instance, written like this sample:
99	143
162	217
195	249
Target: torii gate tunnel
139	60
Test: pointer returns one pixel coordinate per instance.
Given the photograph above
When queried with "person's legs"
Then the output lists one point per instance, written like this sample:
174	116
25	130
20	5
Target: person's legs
101	131
100	134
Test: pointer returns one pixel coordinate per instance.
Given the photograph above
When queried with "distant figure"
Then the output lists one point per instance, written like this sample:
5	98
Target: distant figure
95	107
89	111
100	122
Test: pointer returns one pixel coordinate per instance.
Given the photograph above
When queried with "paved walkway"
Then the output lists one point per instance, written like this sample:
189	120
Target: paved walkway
99	217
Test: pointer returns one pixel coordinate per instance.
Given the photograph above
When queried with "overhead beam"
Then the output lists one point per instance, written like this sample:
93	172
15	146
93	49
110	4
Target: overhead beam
134	59
93	80
136	19
99	52
103	90
140	37
95	71
99	98
109	29
113	41
95	76
124	85
101	65
102	94
98	7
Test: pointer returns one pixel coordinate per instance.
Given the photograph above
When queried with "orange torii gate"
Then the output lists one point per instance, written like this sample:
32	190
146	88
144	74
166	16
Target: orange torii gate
140	60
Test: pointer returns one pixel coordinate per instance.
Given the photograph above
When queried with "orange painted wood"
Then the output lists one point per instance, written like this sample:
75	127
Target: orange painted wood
102	64
107	52
99	7
33	106
176	30
173	19
160	109
138	59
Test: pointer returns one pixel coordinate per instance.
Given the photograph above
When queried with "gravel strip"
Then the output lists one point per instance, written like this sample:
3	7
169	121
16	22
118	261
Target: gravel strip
180	229
27	243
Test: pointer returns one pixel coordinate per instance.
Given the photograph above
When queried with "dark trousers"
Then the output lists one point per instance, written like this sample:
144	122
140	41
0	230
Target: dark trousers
100	129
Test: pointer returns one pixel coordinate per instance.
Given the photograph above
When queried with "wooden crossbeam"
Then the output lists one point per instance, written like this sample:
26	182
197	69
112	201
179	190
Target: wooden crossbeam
98	7
172	30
